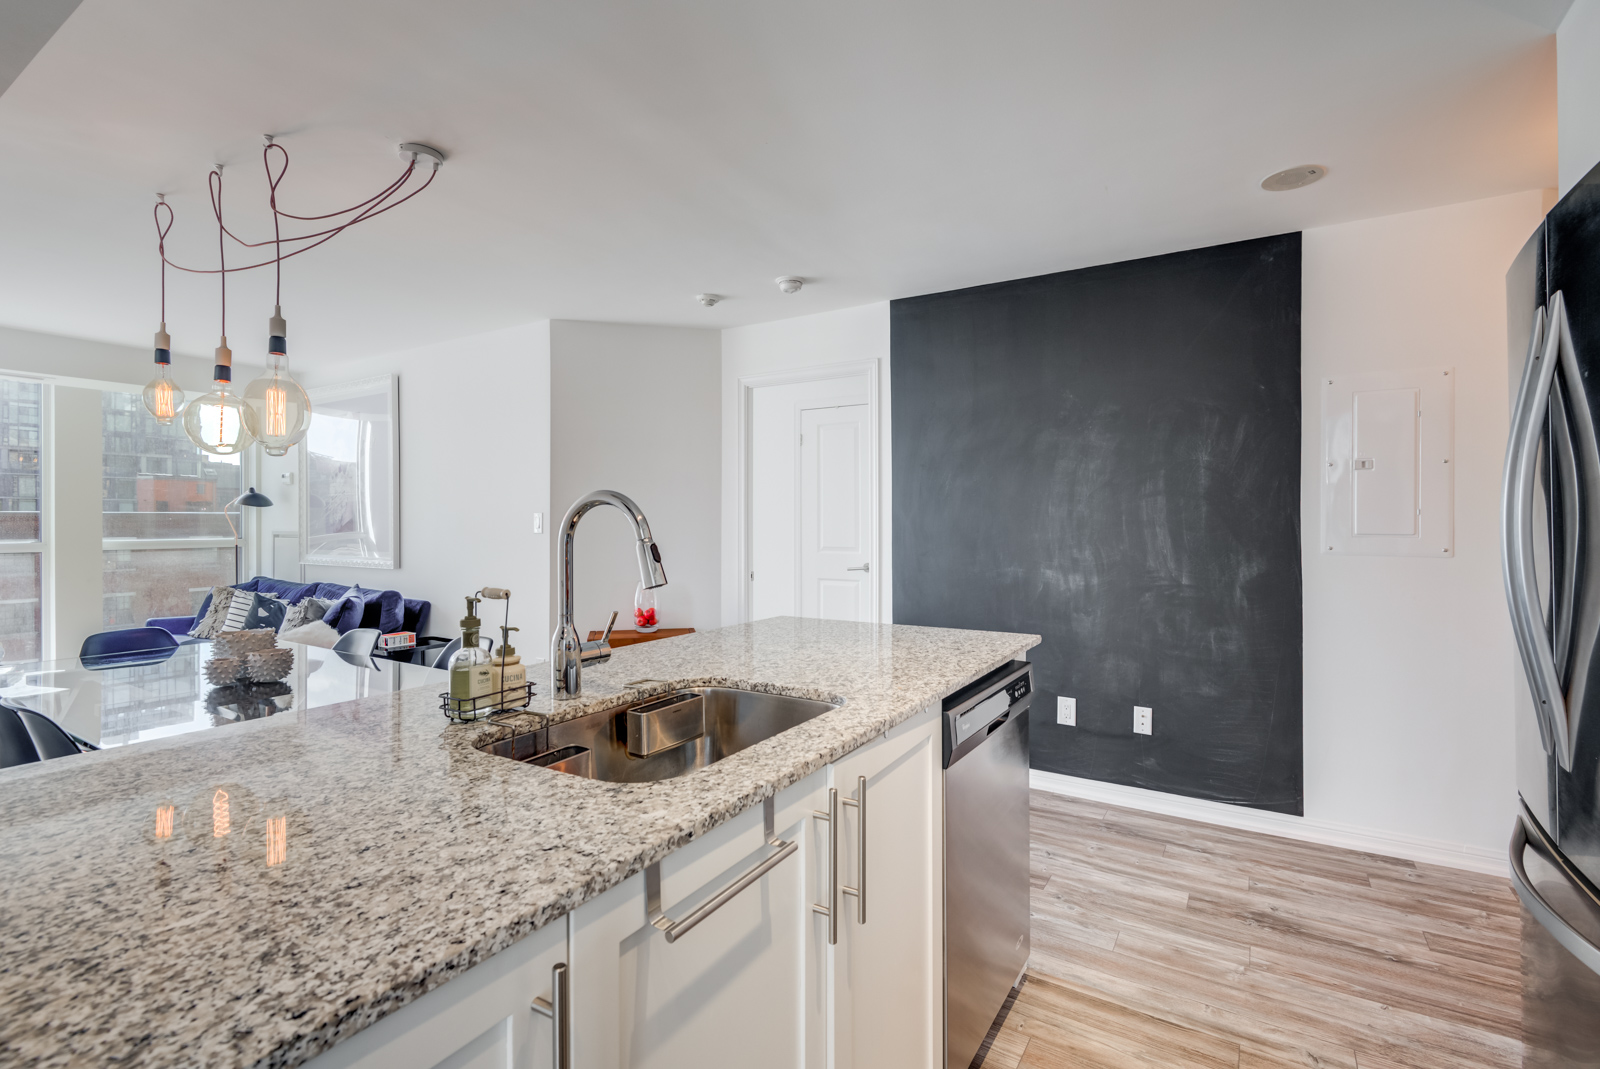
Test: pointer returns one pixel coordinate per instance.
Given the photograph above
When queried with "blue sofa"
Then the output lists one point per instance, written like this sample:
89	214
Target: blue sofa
414	611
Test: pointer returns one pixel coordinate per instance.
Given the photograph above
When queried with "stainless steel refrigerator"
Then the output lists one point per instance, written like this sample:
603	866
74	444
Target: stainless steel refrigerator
1551	553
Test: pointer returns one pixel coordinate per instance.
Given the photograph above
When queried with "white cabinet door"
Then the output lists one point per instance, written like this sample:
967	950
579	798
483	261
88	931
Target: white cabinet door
483	1018
887	967
743	987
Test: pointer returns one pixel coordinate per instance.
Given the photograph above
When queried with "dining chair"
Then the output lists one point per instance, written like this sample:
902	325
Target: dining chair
130	646
26	736
359	642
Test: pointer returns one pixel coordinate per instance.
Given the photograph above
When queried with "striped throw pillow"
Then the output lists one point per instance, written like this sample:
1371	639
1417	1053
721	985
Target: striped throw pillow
239	611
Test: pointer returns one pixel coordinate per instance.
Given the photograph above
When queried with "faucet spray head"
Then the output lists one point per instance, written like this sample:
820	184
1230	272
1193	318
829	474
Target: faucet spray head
651	573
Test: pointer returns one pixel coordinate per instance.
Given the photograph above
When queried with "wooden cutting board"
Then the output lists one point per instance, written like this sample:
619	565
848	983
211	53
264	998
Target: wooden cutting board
620	637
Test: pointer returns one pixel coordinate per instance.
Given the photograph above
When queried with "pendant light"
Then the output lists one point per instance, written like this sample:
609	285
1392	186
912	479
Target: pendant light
216	421
162	397
273	409
277	411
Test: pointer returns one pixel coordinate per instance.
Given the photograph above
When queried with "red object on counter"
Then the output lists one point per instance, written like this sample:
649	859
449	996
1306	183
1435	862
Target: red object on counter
644	617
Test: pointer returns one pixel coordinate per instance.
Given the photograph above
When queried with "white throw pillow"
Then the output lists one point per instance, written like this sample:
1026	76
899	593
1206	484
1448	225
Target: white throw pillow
216	614
316	633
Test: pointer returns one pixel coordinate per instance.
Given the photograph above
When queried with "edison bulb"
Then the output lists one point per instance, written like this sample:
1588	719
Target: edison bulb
216	421
277	411
162	397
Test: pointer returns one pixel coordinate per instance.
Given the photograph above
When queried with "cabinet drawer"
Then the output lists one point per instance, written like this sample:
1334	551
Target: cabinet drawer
484	1017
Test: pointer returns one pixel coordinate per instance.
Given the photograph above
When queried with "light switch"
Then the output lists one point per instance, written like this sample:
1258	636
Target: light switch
538	525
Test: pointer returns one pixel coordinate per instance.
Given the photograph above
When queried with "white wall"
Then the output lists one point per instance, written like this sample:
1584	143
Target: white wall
102	365
634	409
1578	91
846	336
1409	662
474	468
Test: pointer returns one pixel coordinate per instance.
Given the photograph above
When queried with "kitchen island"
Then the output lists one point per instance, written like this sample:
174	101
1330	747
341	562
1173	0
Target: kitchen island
255	895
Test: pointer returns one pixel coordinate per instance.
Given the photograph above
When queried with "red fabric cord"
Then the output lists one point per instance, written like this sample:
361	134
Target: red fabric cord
371	207
161	244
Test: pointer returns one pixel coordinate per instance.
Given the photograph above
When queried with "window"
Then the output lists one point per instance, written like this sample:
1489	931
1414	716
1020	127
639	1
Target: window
159	489
20	423
157	484
139	584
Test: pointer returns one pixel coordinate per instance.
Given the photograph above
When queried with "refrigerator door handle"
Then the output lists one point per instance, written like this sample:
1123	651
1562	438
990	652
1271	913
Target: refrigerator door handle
1510	533
1527	620
1577	471
1528	834
1564	483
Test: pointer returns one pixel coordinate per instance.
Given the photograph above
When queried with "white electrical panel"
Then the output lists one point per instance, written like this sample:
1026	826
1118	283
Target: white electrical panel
1387	450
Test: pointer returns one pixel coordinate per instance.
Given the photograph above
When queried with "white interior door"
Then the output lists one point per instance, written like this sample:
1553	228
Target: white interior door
777	493
835	544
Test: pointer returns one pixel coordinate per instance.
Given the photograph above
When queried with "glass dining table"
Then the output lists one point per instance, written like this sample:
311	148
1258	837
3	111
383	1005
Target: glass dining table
167	693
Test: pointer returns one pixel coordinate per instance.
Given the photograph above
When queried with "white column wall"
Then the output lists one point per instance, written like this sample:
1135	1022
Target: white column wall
1409	661
74	564
1578	91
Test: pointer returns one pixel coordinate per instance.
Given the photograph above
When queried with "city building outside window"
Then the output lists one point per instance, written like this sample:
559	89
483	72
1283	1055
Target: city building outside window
167	542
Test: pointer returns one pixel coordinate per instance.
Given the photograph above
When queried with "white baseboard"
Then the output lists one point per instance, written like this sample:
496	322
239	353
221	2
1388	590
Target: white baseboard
1326	832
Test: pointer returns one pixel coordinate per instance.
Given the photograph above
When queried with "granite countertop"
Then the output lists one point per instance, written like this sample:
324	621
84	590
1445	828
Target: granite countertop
372	851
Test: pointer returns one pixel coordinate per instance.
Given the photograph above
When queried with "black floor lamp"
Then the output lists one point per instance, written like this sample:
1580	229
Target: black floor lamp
255	499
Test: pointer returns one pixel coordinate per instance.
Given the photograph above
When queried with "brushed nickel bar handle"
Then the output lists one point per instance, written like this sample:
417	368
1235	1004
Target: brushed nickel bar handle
831	910
675	929
558	1007
860	889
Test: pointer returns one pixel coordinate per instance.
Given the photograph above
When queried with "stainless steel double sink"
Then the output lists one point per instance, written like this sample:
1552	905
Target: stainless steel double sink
665	736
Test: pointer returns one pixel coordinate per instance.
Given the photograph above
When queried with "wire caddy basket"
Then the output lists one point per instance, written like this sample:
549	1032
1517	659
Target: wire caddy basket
471	710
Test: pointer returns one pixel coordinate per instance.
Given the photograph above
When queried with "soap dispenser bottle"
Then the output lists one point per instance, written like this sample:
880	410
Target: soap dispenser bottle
510	674
471	678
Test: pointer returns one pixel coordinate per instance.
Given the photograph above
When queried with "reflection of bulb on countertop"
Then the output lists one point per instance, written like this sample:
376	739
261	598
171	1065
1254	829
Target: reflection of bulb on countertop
277	840
220	824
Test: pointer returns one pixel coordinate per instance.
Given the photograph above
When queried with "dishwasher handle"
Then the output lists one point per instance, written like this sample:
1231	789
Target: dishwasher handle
970	714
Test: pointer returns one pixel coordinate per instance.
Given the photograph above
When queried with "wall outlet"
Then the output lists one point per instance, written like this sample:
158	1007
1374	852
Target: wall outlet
1067	711
1141	719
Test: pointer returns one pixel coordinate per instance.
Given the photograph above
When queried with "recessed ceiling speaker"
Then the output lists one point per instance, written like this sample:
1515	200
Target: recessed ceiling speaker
707	299
1293	178
790	284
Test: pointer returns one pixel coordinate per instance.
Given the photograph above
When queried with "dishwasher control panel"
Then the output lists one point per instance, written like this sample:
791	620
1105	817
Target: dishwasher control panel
976	709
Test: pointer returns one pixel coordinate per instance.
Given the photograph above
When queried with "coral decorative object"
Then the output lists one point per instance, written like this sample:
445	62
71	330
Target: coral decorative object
644	610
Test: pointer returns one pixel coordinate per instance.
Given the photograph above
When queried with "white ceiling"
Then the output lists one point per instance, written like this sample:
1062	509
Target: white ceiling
609	160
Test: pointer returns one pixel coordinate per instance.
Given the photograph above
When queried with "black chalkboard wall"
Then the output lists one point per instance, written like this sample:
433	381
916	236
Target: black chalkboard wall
1110	458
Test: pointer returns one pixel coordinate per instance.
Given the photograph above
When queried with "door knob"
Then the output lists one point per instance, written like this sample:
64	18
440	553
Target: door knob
860	568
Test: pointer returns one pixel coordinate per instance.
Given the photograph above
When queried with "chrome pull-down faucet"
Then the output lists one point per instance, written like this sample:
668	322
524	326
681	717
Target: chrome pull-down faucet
568	653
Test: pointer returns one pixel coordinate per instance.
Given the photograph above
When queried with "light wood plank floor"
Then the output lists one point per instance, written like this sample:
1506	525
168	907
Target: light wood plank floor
1164	942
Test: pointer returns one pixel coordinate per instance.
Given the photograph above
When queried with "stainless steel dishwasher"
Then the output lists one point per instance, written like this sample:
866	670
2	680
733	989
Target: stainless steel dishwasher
986	881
